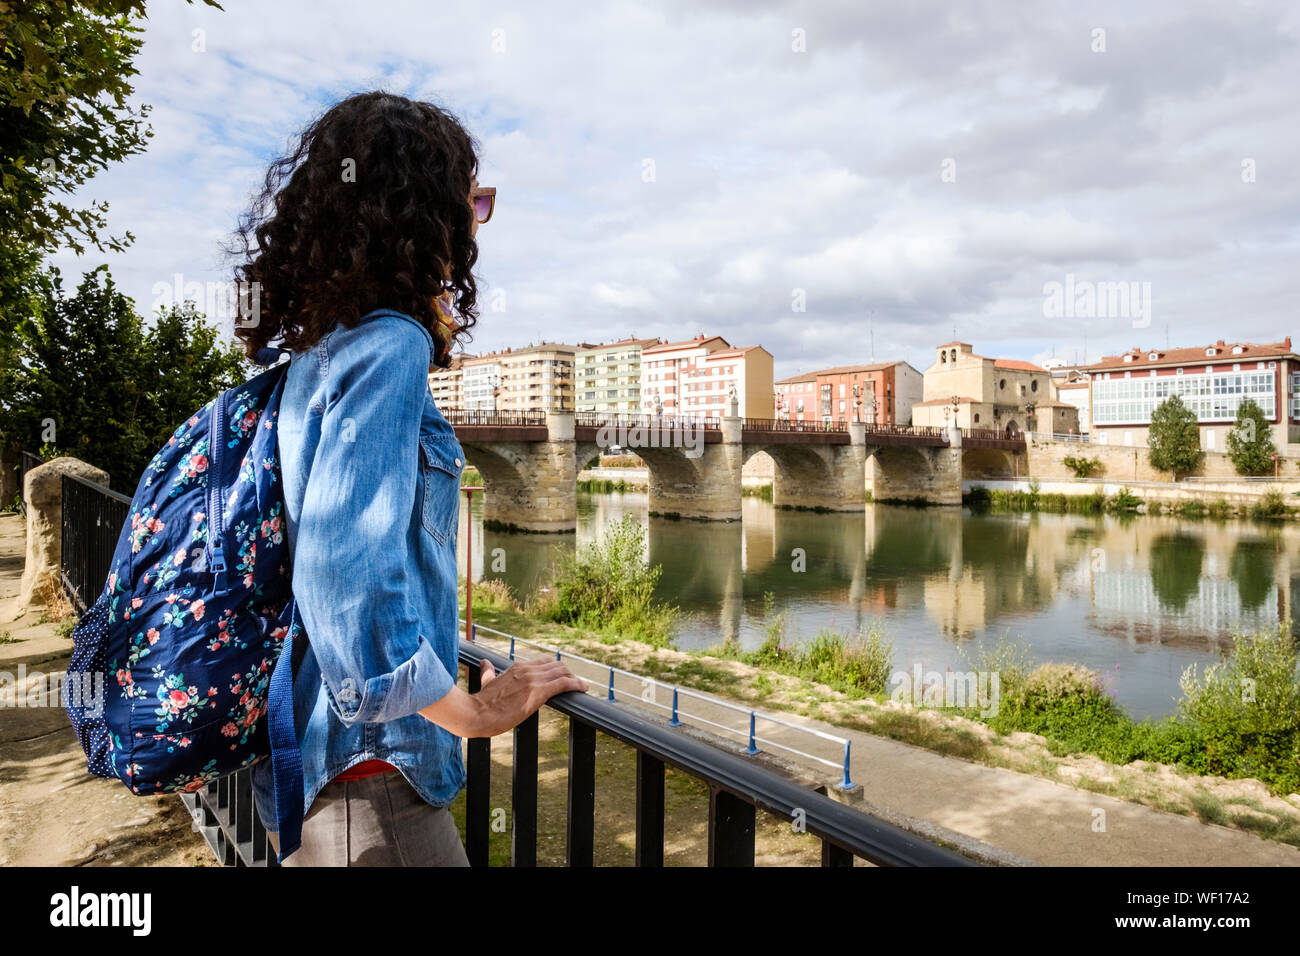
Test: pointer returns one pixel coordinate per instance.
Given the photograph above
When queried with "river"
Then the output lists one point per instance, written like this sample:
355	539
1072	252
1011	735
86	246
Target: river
1137	598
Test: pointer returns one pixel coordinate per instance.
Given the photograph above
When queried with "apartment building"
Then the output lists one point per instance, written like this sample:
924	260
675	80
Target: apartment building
536	378
1212	380
482	380
881	392
975	391
695	378
447	386
609	376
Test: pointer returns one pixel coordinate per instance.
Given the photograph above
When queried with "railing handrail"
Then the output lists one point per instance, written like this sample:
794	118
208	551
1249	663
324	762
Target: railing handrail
857	832
676	689
102	489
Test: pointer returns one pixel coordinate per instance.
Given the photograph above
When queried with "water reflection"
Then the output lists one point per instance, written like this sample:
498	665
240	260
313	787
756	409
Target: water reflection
1136	598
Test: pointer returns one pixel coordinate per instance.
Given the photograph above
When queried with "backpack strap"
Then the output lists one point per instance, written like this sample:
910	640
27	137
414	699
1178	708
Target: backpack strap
286	758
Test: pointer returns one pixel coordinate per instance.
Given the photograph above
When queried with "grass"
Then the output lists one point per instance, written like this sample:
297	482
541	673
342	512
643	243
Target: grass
7	637
608	485
608	587
471	476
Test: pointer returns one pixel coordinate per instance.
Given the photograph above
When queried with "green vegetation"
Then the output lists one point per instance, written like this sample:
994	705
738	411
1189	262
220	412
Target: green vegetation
1272	504
68	110
607	485
1250	442
147	380
471	476
857	666
609	588
1240	718
1083	467
1174	438
980	498
621	461
757	491
7	638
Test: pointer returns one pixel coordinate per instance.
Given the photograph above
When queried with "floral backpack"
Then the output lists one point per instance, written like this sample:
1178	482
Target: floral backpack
191	641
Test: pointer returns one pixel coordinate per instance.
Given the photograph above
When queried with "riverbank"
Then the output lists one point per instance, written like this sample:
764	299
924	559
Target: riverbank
1035	814
1210	499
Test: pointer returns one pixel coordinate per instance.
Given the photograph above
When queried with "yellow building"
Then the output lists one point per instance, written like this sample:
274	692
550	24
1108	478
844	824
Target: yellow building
447	386
974	391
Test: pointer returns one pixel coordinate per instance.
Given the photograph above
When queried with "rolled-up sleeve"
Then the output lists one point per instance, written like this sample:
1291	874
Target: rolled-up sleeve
352	563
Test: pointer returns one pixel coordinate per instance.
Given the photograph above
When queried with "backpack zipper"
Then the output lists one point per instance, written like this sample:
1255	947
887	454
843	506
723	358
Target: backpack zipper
217	553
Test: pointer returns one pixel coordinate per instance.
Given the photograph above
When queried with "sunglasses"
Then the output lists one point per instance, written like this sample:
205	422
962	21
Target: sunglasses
485	200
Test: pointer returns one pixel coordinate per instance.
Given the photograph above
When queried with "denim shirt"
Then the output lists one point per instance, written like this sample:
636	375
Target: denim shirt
371	475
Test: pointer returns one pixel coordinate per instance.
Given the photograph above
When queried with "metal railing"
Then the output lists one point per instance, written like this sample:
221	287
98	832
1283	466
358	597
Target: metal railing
738	786
786	425
599	419
752	716
909	431
487	416
737	789
93	517
26	462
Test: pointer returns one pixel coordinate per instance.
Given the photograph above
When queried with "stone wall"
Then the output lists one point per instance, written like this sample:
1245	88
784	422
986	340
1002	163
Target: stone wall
1121	463
43	491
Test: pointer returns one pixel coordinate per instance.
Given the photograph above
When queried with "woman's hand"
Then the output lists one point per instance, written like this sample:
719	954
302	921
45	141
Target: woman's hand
505	700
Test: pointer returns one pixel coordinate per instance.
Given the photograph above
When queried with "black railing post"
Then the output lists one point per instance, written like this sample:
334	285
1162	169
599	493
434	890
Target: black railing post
731	829
580	829
478	784
523	790
833	855
649	810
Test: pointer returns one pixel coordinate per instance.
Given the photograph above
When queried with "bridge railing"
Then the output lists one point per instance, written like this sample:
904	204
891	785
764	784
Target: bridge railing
601	419
909	431
784	425
999	434
487	416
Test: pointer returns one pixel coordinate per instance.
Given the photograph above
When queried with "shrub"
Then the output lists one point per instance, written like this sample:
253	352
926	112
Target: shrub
1246	710
609	587
1272	504
1123	501
1083	467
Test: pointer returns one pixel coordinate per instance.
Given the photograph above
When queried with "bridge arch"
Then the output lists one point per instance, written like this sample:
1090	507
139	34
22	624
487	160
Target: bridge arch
815	475
987	463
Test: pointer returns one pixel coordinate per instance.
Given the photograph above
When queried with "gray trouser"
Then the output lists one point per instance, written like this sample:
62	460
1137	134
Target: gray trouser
376	821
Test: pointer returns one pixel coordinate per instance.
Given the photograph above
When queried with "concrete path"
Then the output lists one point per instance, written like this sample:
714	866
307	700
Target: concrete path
1031	817
53	812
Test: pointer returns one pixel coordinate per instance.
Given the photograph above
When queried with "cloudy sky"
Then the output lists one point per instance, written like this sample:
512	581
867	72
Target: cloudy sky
830	180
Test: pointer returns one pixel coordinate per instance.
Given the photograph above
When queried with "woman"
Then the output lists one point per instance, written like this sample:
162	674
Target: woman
362	243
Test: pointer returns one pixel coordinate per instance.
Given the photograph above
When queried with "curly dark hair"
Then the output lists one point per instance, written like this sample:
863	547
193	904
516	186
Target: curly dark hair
370	210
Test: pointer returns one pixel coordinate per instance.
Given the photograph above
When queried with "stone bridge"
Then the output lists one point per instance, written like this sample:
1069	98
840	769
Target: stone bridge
530	462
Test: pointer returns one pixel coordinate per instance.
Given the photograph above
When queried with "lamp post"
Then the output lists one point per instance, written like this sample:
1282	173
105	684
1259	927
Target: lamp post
857	401
875	410
956	407
1029	416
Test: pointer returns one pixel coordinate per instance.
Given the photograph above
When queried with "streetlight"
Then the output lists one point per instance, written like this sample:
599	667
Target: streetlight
1029	416
956	407
857	401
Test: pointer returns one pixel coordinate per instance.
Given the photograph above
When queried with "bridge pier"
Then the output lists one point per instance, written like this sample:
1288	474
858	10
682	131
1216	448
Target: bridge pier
530	485
707	487
929	474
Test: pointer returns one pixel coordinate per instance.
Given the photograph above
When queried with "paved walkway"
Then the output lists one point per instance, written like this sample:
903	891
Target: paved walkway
1030	817
53	812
